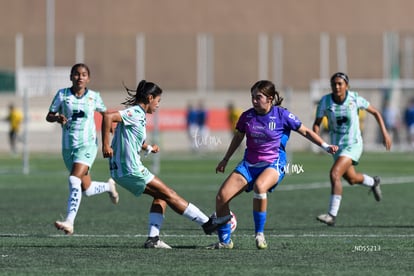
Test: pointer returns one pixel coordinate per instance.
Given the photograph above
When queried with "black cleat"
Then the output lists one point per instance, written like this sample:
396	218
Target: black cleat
213	223
376	190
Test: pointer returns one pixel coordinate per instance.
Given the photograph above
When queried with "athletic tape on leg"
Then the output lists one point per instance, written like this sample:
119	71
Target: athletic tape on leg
260	196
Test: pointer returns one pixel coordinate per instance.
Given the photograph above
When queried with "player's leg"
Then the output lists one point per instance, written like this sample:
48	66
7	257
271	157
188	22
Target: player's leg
12	139
158	189
77	170
266	180
99	187
234	184
341	165
372	182
354	177
156	220
86	155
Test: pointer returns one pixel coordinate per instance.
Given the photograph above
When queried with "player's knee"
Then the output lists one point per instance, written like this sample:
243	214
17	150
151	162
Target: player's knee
260	187
335	175
260	195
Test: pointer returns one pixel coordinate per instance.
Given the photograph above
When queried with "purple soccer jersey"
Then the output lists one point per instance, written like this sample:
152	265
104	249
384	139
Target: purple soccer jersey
266	134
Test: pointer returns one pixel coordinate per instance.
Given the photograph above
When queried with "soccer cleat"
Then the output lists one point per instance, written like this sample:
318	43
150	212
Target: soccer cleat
260	241
155	242
327	219
113	194
213	223
376	190
221	245
66	226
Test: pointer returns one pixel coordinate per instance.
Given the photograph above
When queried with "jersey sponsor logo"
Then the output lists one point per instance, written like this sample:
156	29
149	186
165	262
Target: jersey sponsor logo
77	115
341	120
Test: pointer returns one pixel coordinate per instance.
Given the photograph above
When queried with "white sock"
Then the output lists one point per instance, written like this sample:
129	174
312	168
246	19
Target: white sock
334	203
97	188
155	223
194	214
368	181
75	197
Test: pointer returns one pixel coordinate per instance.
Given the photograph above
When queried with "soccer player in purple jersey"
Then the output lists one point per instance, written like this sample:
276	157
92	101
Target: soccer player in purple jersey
266	126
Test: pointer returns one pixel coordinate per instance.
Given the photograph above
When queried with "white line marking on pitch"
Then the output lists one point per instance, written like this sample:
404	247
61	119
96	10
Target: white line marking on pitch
317	185
237	235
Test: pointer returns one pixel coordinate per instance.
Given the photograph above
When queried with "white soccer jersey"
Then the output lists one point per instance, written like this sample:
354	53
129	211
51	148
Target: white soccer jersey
129	136
80	129
343	120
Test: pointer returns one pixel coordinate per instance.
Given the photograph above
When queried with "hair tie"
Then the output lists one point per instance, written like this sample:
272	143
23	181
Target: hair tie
340	75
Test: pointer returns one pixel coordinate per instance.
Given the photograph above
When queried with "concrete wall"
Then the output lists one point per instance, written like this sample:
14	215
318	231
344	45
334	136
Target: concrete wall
171	27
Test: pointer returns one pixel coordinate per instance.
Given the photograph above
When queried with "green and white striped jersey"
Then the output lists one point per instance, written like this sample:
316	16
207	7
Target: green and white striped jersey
80	129
343	120
129	136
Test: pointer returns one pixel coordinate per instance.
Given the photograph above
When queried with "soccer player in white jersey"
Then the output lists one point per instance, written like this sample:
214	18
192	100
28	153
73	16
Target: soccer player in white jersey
128	170
341	108
74	108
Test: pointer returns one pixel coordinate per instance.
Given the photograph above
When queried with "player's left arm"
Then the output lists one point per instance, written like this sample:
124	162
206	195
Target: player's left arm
107	122
387	139
150	148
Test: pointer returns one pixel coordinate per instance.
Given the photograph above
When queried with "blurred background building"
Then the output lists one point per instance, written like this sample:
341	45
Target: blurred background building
211	50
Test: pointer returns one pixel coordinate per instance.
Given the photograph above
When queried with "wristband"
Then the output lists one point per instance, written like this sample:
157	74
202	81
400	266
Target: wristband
148	150
325	146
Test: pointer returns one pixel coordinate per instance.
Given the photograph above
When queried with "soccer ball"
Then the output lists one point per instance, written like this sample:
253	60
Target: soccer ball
233	221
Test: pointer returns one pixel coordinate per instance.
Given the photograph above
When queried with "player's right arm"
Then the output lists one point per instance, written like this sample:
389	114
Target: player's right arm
107	122
235	143
317	125
52	117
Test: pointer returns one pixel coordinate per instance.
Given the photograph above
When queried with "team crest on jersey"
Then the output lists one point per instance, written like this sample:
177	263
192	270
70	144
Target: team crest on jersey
272	125
129	113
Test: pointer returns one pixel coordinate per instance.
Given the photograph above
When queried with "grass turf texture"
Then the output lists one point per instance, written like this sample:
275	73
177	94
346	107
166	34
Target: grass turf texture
370	238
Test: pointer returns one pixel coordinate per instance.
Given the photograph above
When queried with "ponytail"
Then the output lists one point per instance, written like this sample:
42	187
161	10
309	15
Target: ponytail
141	94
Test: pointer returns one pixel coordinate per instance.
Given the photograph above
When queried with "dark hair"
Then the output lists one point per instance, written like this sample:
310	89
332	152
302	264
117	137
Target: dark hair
77	65
267	88
140	95
340	75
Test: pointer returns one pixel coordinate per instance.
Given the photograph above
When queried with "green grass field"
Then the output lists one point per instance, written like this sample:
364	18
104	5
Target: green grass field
370	238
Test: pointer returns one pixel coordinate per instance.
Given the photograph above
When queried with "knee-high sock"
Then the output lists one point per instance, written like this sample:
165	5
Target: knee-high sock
75	197
334	204
194	214
224	233
259	221
155	223
97	188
